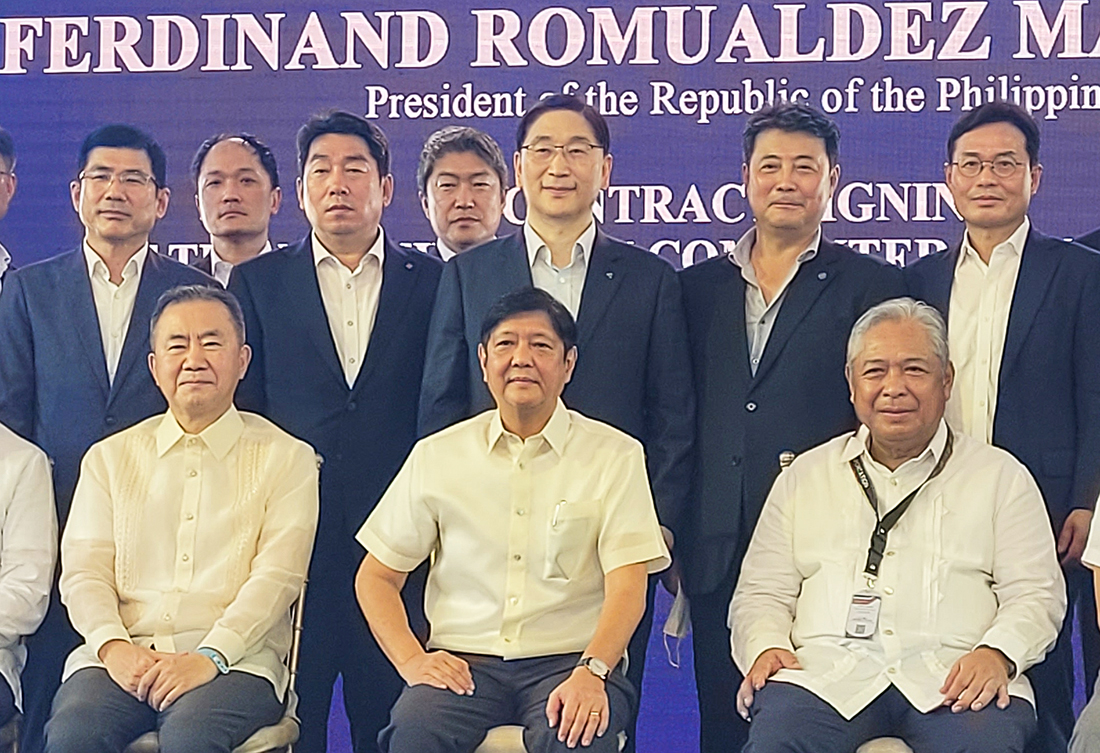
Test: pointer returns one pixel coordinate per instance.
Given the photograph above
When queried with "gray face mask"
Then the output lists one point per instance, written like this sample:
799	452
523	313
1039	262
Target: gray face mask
676	627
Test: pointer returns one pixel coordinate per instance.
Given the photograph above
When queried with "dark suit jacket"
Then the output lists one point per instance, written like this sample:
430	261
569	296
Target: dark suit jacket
204	264
1092	240
295	379
1048	390
797	399
632	367
53	373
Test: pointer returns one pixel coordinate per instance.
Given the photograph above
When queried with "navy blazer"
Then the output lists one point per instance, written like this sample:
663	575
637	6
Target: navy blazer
1092	240
53	373
632	370
364	432
1048	389
798	398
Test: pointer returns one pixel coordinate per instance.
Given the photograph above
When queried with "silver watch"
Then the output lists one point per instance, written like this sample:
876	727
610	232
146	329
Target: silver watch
598	667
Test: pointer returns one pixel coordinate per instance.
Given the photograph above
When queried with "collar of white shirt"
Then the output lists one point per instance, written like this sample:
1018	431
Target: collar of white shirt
5	259
445	252
537	247
554	433
1013	245
133	267
741	254
219	436
218	264
377	250
860	444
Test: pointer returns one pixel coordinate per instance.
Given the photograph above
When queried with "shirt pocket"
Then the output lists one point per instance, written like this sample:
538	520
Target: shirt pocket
571	539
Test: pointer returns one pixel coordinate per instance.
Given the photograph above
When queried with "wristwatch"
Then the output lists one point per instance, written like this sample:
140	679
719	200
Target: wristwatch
215	656
598	667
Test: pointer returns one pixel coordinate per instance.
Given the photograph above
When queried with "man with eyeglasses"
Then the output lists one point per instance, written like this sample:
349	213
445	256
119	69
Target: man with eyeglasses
72	368
7	191
237	192
633	371
1022	310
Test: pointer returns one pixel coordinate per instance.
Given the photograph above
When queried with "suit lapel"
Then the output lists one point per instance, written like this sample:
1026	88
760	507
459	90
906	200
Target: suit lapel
605	275
1037	267
938	291
809	282
299	278
399	273
726	332
75	291
136	344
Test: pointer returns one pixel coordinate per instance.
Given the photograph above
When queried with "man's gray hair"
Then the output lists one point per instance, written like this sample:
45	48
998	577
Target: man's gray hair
184	293
898	310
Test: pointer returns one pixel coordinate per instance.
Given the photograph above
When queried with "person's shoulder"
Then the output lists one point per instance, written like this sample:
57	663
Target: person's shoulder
488	252
273	260
140	434
853	260
714	269
412	256
176	272
1069	251
15	449
824	455
972	455
639	256
608	438
46	269
264	431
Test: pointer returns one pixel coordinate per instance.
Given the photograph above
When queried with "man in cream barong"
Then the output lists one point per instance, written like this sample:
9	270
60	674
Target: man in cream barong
188	541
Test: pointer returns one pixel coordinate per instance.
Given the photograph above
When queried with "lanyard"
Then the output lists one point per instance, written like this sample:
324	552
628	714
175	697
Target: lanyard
883	525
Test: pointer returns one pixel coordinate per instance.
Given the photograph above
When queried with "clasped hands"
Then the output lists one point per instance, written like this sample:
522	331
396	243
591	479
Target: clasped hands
974	680
578	707
154	677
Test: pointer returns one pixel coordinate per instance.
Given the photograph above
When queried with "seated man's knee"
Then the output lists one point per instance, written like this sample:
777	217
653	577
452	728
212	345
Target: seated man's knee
428	720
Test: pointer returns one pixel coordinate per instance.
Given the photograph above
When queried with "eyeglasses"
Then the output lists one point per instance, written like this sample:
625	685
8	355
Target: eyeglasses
575	152
127	179
1002	167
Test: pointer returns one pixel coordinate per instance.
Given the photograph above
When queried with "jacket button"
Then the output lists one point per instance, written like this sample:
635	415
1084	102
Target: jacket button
110	420
750	406
352	406
735	461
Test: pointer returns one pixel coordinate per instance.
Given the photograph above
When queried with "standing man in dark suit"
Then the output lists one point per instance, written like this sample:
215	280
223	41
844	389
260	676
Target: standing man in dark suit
236	191
634	372
1022	310
1092	240
462	178
74	335
768	326
8	182
337	325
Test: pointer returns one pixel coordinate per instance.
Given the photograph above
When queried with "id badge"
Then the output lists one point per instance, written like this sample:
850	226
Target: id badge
863	615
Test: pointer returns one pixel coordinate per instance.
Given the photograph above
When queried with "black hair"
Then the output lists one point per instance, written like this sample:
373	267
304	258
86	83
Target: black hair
527	300
341	121
997	112
119	135
457	139
565	102
262	151
792	117
7	150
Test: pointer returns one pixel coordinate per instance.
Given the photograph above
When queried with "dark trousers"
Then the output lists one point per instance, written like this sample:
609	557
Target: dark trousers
1086	733
47	650
790	719
1052	679
337	642
7	703
430	720
717	678
92	714
635	668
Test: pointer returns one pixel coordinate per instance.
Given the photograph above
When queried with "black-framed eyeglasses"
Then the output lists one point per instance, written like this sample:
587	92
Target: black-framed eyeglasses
574	152
1002	167
132	179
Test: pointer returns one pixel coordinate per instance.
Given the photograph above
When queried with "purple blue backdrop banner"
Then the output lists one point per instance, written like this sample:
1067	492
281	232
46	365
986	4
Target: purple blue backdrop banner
676	82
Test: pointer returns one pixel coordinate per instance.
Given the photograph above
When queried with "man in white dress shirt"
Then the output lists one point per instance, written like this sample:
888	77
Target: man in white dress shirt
188	540
543	531
28	550
237	192
901	578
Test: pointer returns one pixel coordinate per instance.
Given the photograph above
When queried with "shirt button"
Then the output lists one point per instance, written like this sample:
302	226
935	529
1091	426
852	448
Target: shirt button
517	557
891	553
892	670
185	558
348	286
522	465
888	631
192	474
750	407
755	361
888	591
521	513
167	618
513	600
894	481
561	280
190	516
351	359
507	640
